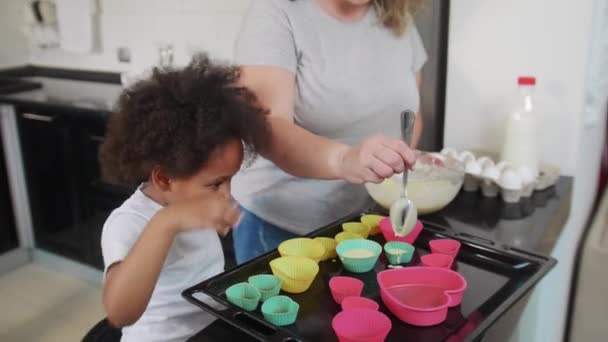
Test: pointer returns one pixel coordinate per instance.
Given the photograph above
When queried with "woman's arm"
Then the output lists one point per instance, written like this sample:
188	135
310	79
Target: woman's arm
304	154
293	149
419	125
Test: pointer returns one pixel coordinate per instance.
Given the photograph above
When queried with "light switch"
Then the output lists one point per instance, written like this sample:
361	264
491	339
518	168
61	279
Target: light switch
124	54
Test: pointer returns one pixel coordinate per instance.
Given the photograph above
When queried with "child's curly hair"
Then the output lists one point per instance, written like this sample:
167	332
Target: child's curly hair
176	118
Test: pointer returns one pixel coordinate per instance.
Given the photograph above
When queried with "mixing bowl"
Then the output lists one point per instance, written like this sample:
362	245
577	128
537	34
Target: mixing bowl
432	185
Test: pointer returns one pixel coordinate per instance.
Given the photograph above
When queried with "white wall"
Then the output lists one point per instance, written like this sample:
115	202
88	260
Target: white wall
14	47
190	25
491	43
494	41
545	320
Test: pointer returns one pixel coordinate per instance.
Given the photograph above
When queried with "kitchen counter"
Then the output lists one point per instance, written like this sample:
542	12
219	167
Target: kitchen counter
70	91
53	122
534	225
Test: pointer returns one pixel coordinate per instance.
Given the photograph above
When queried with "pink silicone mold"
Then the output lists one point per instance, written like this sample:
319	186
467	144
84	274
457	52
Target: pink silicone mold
342	287
421	296
445	246
437	260
359	325
389	235
352	302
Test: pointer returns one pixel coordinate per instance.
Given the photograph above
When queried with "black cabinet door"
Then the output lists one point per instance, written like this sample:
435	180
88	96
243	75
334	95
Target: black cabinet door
52	171
69	200
91	134
8	233
101	197
99	207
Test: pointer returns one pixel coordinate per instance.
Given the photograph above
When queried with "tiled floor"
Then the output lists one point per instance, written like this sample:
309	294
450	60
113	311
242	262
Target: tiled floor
37	304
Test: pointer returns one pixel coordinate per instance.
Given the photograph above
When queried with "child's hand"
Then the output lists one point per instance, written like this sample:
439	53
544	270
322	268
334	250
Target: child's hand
217	212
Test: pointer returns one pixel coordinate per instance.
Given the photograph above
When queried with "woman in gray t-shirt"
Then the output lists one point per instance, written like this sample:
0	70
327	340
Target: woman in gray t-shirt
335	75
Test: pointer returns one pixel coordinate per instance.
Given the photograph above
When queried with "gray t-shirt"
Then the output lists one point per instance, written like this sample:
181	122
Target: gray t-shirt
352	81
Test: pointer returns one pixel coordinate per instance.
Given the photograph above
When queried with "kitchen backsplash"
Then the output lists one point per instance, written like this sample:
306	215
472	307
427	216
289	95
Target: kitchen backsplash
14	47
142	25
482	63
494	42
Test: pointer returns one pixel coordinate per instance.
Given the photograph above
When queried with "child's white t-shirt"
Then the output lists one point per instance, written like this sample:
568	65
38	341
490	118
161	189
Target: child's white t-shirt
193	257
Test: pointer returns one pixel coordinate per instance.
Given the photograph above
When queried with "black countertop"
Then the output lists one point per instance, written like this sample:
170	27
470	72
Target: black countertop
71	91
533	225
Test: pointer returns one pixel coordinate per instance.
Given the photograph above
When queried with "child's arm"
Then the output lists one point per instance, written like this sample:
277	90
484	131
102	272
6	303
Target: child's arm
129	283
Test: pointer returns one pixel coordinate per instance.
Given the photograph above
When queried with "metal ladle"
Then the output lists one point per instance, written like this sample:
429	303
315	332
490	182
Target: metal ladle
403	212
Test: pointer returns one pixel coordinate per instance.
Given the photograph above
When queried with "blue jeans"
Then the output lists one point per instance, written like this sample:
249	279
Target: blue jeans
254	237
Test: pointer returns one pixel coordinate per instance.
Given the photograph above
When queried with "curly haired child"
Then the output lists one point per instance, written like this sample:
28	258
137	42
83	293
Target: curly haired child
180	135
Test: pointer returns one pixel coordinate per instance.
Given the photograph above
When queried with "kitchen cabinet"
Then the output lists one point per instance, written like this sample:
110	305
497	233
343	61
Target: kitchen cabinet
8	233
98	209
61	118
99	196
68	199
52	179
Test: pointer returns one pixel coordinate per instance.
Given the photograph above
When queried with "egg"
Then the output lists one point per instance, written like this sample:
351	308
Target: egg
485	162
466	156
502	165
473	168
526	174
467	159
510	179
439	156
491	173
448	151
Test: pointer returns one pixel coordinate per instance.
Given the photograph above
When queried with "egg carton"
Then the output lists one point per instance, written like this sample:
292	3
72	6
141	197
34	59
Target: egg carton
494	179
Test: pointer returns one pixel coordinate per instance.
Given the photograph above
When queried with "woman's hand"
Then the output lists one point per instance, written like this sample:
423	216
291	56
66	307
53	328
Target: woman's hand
374	160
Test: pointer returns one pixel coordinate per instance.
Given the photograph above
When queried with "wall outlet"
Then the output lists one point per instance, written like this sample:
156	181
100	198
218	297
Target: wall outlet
123	54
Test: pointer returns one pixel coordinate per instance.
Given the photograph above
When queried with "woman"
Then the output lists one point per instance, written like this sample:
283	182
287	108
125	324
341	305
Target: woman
335	75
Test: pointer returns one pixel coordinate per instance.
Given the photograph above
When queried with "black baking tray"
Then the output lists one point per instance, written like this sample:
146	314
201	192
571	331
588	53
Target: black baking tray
497	277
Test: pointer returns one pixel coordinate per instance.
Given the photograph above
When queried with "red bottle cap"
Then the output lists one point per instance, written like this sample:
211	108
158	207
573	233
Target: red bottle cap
526	80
